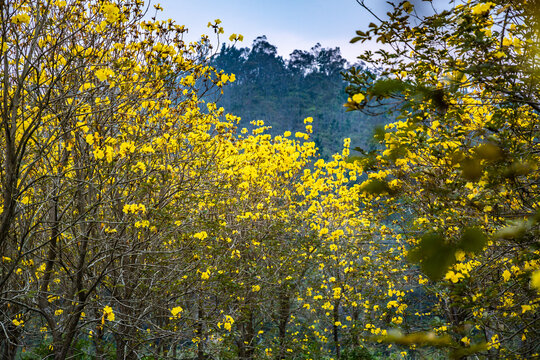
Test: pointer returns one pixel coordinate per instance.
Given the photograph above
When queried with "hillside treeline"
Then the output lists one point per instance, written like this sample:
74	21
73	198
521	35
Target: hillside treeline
283	92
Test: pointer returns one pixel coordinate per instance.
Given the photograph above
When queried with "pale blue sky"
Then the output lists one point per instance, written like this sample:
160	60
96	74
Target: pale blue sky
290	25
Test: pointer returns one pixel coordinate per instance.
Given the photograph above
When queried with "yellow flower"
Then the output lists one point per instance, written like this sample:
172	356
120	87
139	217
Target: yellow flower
176	312
111	12
99	154
200	235
482	8
134	208
535	280
494	342
255	288
21	18
108	314
229	321
358	98
454	277
205	275
90	139
507	42
460	255
103	74
109	153
506	275
327	306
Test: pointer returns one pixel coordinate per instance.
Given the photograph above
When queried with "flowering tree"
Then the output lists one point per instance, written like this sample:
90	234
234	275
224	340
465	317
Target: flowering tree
460	166
99	141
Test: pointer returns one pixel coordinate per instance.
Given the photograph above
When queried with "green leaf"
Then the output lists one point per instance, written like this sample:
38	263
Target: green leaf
489	152
473	239
433	255
376	187
385	87
379	133
514	231
353	159
471	169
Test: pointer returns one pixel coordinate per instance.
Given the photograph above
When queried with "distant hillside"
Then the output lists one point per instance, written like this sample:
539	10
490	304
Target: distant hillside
283	92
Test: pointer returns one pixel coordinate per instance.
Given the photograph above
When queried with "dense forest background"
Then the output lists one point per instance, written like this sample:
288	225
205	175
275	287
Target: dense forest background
283	92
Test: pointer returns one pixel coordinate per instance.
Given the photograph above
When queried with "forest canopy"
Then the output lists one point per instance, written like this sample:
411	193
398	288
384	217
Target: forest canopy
283	92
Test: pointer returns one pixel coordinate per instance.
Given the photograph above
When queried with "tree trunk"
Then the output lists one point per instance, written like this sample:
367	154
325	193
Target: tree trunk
10	342
200	344
284	313
336	329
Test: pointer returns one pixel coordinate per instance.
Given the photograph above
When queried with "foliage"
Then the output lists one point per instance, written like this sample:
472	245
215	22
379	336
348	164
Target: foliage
135	222
98	147
138	219
283	92
462	160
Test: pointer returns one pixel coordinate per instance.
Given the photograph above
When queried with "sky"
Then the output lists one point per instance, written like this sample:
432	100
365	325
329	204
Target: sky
288	24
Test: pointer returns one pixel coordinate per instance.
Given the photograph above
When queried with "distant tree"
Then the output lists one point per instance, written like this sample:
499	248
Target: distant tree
232	59
302	62
263	61
329	61
284	92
